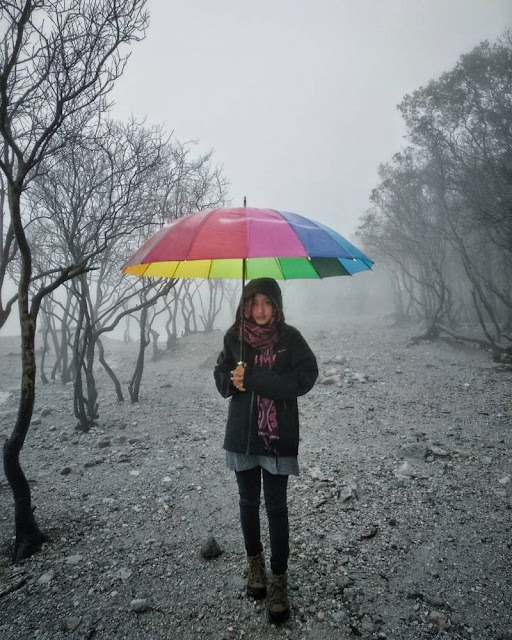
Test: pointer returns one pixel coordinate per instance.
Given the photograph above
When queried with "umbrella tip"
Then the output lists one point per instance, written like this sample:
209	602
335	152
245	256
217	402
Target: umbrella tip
245	201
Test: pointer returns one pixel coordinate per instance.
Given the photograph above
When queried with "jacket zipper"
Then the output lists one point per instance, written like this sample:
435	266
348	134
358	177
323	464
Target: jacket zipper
250	420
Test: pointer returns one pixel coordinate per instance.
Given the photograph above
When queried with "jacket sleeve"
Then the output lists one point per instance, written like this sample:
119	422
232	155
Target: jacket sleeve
222	372
285	385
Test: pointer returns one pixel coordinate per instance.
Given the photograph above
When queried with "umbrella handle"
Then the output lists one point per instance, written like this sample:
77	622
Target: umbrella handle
241	364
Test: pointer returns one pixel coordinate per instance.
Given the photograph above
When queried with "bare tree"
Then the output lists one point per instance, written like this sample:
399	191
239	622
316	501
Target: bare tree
60	59
211	307
462	121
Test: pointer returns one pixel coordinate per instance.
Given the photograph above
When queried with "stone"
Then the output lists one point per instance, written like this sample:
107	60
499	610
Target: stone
46	577
343	581
406	470
123	573
72	623
139	605
65	471
439	452
348	493
210	548
103	443
338	616
414	450
440	619
74	560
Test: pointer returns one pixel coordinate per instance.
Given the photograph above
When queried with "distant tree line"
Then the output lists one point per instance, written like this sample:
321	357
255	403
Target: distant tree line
79	192
440	218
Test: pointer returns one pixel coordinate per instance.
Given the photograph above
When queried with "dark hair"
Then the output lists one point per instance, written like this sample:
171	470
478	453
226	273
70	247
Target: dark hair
266	286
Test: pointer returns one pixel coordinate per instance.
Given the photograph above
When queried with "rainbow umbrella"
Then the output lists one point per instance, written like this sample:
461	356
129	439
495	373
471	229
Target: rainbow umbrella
245	242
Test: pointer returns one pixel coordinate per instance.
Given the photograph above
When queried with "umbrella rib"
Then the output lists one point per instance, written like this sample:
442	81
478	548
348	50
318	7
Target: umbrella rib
199	227
280	268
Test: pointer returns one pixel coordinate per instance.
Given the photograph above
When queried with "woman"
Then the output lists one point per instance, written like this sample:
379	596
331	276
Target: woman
262	430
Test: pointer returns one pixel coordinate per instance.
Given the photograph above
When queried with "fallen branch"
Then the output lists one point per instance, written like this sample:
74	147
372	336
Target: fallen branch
481	343
434	334
13	587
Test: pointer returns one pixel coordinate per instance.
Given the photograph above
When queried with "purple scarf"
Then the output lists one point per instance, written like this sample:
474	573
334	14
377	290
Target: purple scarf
263	338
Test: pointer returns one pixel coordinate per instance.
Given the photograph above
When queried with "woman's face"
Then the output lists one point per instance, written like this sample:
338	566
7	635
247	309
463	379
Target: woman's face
262	309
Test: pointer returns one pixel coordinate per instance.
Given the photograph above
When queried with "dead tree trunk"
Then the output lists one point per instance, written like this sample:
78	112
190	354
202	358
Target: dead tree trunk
134	385
110	372
29	537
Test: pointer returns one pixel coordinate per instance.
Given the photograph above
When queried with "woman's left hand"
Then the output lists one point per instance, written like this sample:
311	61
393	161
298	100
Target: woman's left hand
237	377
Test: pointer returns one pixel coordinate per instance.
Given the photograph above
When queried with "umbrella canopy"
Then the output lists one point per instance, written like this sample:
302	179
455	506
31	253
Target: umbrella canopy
245	242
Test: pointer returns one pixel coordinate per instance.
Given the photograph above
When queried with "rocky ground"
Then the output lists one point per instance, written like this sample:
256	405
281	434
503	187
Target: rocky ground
400	519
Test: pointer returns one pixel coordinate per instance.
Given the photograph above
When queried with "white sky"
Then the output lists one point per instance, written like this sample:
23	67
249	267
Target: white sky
297	97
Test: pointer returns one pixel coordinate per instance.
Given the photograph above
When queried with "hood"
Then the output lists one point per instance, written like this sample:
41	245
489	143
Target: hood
267	287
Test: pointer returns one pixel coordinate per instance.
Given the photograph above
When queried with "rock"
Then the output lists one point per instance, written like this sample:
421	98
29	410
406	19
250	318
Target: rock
123	573
349	493
74	560
46	577
45	412
407	470
440	619
316	474
72	623
210	548
139	605
462	453
338	616
414	450
103	443
343	581
93	463
65	471
369	532
440	453
505	479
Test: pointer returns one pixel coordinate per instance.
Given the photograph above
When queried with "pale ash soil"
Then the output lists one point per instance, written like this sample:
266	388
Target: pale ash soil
400	520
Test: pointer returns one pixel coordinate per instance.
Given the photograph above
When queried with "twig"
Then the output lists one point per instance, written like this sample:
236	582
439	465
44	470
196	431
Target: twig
13	587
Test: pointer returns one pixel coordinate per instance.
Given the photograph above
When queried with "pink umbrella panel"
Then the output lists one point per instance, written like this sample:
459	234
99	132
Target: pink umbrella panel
223	243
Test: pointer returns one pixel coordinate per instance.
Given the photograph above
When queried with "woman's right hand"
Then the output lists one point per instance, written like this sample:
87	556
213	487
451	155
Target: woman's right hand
237	377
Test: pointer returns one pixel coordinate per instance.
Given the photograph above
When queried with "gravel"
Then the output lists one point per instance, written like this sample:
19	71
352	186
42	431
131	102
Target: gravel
400	519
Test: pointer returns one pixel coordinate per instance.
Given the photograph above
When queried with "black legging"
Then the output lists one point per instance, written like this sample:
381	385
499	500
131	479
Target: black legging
274	491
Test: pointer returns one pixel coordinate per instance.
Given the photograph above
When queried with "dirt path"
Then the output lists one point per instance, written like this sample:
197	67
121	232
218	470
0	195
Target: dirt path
401	517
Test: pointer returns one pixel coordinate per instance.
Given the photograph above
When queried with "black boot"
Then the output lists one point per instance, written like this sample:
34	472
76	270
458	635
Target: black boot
278	607
256	576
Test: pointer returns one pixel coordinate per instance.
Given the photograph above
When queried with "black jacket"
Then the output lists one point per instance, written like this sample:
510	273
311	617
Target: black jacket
293	374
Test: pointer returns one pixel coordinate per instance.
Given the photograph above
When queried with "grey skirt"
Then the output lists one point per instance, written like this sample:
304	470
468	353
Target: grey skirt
285	465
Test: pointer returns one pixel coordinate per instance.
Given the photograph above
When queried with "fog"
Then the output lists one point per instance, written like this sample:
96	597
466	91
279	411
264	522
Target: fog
297	97
298	101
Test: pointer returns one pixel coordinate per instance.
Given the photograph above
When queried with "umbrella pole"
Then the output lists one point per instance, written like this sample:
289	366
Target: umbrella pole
242	313
242	310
